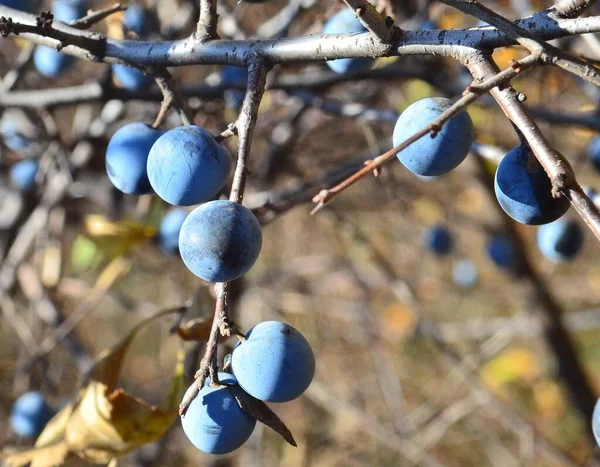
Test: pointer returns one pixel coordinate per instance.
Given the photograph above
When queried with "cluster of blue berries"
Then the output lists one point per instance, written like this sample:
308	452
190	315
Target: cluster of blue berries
273	363
220	240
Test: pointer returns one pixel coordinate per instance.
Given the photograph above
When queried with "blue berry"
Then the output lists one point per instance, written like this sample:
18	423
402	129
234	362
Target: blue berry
127	156
433	156
344	22
233	75
593	151
464	273
168	231
220	241
214	422
135	19
438	239
275	363
502	252
187	166
22	174
30	414
48	61
524	190
12	137
131	79
560	240
596	422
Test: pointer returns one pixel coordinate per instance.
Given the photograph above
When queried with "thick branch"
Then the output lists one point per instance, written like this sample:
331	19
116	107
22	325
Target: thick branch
572	8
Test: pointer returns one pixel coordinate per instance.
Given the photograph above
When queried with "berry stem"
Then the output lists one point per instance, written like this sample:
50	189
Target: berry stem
257	79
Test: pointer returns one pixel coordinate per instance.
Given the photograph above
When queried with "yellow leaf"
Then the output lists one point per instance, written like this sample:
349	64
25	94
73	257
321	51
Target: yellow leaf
116	238
511	366
114	271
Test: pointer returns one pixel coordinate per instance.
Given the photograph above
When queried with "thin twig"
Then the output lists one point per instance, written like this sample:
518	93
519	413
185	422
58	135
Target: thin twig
257	79
470	95
171	97
370	18
207	22
96	16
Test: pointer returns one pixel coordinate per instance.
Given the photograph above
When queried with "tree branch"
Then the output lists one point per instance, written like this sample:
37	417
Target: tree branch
207	23
572	8
372	20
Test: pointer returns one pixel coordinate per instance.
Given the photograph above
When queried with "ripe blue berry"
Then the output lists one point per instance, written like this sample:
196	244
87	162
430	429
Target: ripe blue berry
524	190
433	156
22	174
214	422
438	239
168	231
48	61
30	414
593	151
131	78
502	251
127	156
136	19
230	76
12	137
220	241
275	363
560	240
596	422
344	22
187	166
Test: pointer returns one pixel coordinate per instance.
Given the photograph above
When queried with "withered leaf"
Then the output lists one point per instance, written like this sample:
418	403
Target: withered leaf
195	329
260	411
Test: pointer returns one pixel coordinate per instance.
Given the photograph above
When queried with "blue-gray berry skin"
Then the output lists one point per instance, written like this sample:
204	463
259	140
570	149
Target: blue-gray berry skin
524	190
433	156
23	173
127	156
30	414
596	422
214	422
560	240
593	151
130	78
343	22
275	363
168	230
187	166
220	241
136	19
438	239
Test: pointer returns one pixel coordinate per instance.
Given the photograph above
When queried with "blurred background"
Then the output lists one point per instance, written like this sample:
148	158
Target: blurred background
428	331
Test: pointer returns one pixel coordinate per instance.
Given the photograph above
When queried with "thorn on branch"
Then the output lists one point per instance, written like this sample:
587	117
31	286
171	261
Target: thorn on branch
515	65
434	129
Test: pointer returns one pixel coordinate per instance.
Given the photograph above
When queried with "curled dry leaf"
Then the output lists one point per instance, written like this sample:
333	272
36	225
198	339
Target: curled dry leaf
195	329
104	422
260	411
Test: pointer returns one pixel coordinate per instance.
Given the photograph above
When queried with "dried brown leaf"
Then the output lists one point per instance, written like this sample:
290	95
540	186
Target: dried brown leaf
260	411
195	329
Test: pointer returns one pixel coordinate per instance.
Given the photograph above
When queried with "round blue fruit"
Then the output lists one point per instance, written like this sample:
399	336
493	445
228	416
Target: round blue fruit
593	151
524	190
22	174
68	10
596	422
220	241
168	231
560	240
214	422
438	239
131	79
464	273
230	76
23	5
275	362
345	22
187	166
502	251
50	62
127	156
136	19
433	156
30	414
12	137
